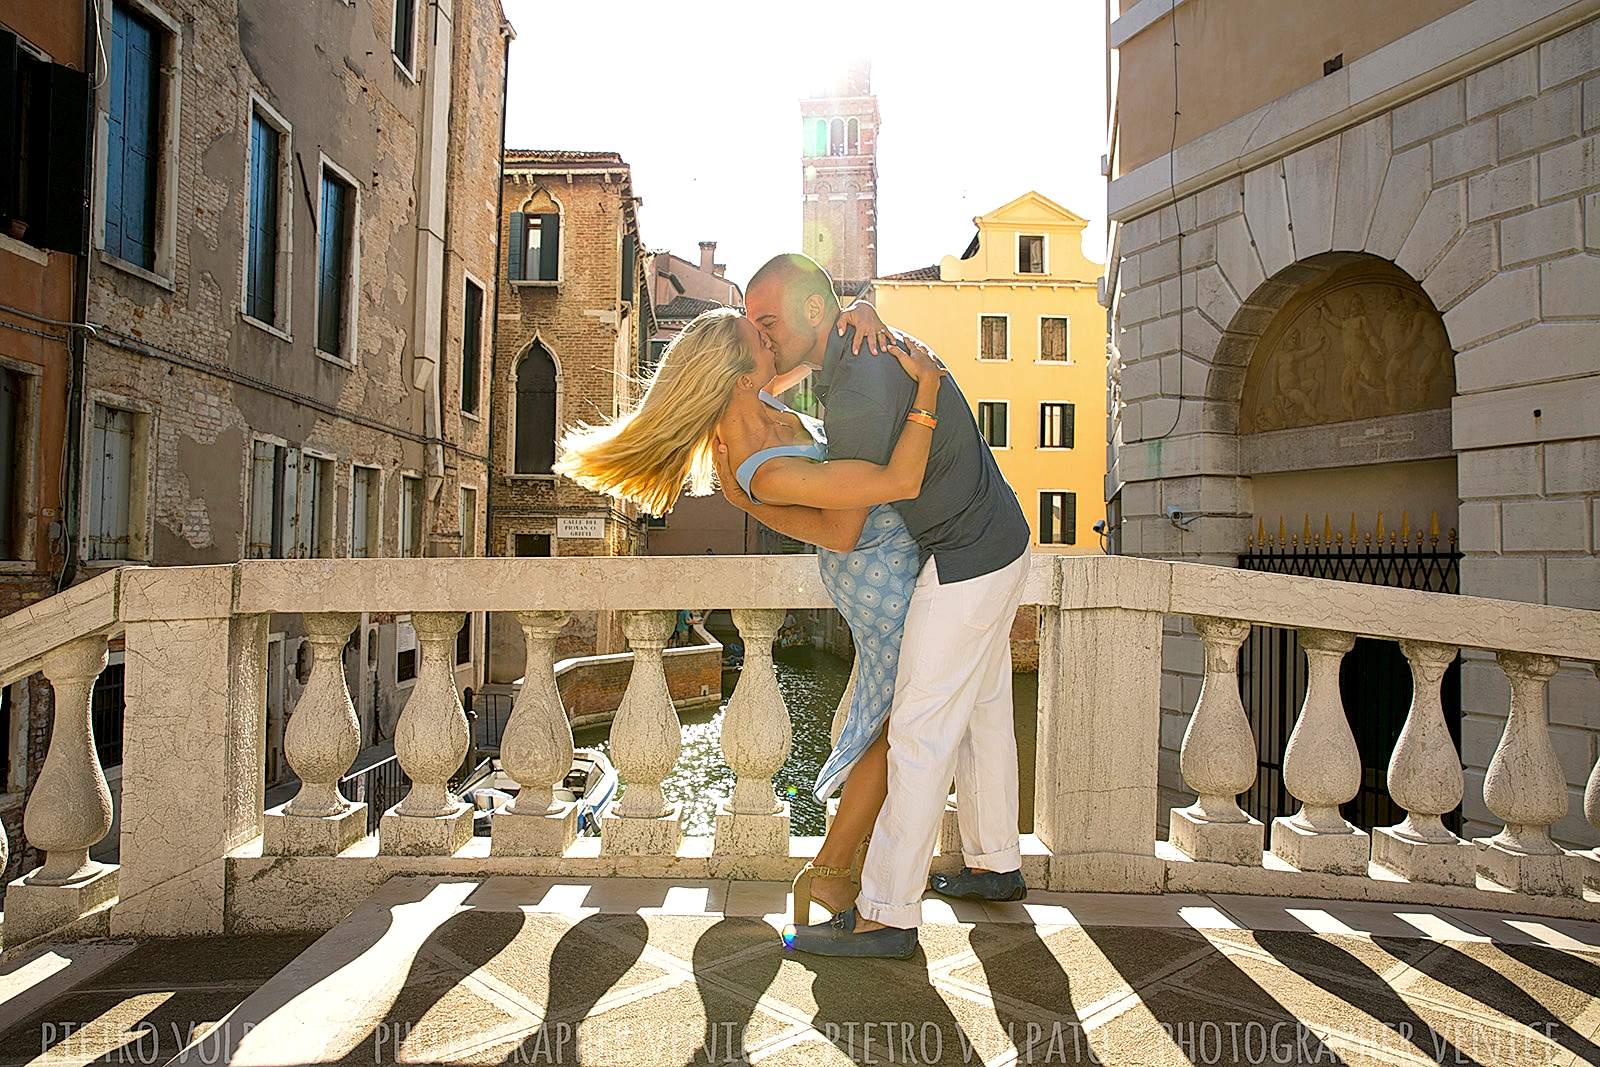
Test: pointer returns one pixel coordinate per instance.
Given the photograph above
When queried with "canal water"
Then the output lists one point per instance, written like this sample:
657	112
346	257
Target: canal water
811	685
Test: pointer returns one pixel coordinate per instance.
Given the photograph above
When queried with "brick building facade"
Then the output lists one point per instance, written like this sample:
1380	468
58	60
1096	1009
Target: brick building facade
574	324
294	259
43	151
839	175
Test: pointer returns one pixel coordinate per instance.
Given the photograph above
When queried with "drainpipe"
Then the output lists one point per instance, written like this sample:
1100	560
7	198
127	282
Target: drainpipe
77	340
427	319
508	35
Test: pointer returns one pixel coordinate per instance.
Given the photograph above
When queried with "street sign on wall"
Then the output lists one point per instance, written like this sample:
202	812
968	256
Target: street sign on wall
581	527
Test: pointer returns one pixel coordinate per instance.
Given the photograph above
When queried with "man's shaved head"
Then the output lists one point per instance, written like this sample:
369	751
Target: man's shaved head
791	299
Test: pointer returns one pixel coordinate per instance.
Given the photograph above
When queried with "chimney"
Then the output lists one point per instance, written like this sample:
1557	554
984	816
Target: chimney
708	256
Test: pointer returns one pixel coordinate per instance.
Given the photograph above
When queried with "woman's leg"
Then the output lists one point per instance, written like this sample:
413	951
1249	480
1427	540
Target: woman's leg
859	801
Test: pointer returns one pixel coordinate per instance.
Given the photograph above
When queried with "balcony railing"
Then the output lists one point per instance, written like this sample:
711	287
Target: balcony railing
199	854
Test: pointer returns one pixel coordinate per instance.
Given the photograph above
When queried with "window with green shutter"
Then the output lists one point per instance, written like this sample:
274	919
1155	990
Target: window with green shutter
534	254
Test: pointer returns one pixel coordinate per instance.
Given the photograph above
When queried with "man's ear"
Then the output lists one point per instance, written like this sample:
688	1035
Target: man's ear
814	309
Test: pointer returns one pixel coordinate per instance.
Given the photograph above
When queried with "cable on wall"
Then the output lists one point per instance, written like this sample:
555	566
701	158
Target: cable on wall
1172	189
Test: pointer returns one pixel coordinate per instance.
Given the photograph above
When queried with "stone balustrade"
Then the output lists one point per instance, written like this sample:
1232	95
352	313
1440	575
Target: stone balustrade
199	854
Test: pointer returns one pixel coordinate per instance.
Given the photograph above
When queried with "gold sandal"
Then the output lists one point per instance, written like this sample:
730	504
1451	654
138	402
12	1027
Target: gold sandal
800	910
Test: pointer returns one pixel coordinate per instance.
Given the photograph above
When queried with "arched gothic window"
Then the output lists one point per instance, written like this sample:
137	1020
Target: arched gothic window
836	138
536	411
852	139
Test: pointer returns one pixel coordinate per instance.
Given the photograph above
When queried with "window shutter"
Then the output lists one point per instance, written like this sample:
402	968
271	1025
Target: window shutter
1002	431
64	211
549	246
1069	518
519	245
8	121
1068	412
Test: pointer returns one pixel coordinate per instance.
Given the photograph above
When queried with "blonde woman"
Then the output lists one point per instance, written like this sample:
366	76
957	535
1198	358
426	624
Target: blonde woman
707	412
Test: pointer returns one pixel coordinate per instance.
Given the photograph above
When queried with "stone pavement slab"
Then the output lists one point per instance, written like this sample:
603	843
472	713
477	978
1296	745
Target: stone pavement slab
635	973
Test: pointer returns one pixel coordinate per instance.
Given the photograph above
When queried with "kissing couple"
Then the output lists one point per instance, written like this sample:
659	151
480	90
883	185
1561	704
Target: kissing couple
922	546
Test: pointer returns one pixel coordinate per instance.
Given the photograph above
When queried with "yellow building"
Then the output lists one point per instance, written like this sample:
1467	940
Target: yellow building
1016	320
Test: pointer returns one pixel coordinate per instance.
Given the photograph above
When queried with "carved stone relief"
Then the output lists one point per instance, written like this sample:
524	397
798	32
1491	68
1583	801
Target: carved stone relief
1358	347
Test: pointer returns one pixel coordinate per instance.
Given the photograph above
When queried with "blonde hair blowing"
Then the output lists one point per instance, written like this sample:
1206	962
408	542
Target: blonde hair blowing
647	454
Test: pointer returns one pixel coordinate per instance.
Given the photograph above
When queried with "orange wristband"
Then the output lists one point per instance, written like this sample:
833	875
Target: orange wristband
922	418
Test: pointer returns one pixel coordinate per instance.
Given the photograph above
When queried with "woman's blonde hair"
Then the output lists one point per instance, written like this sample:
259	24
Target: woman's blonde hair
647	454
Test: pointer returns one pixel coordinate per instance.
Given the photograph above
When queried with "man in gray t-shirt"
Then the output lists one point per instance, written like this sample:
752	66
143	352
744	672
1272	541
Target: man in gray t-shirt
952	713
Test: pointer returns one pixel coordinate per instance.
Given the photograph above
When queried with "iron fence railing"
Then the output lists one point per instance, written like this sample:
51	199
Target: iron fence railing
1374	679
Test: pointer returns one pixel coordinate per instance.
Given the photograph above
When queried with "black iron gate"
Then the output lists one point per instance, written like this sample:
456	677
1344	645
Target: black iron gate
1374	679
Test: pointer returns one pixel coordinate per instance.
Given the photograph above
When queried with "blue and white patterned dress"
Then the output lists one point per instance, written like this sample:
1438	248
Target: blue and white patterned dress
871	585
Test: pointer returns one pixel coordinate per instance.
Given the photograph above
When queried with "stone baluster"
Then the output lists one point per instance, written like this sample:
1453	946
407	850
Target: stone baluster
1591	811
321	741
645	743
536	750
1425	780
69	810
1218	758
430	740
1322	769
755	741
1526	788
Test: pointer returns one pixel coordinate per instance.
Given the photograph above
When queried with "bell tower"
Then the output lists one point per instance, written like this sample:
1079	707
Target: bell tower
839	171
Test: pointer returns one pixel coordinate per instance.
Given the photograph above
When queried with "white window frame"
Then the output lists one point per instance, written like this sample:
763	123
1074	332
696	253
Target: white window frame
561	242
1044	254
284	266
978	418
141	473
374	520
347	355
26	487
402	526
418	10
330	524
1057	448
981	358
483	338
416	651
1038	497
1039	358
164	270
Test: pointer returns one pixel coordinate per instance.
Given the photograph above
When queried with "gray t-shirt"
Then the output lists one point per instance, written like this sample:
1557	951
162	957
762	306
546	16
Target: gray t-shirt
967	516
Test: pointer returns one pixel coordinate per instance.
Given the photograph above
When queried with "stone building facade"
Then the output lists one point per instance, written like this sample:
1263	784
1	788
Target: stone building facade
44	86
1367	280
839	173
294	259
574	324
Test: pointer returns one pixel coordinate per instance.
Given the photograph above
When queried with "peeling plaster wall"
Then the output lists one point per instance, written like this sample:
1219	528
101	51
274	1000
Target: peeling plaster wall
178	348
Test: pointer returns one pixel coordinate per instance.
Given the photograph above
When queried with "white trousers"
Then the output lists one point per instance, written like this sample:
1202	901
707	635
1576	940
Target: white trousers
951	716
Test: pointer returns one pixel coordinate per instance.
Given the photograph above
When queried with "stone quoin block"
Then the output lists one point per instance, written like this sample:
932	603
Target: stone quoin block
1543	121
1543	232
1507	82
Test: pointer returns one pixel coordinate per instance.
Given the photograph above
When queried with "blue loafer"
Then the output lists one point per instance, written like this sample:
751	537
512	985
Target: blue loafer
980	885
837	937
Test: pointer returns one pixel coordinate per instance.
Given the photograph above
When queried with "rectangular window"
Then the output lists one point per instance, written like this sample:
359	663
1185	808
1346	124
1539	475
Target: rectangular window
13	454
1030	254
1053	333
133	134
266	219
410	515
1055	425
405	33
471	346
993	337
335	293
291	504
1058	518
114	456
534	251
364	524
993	422
42	105
405	650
